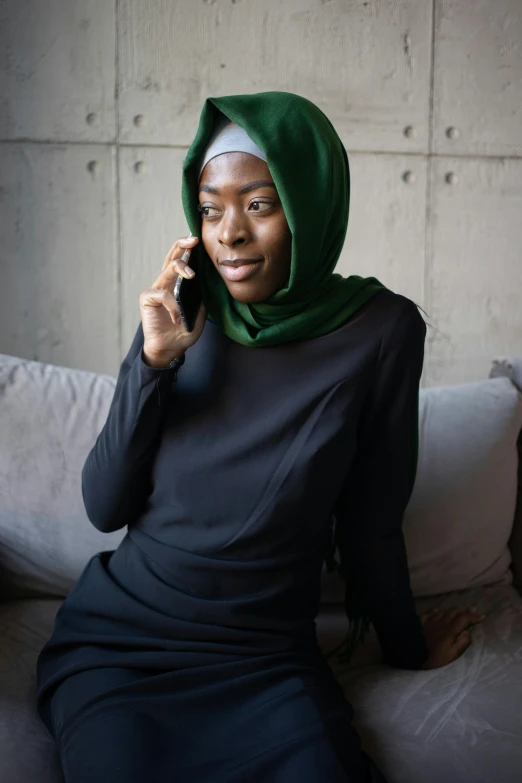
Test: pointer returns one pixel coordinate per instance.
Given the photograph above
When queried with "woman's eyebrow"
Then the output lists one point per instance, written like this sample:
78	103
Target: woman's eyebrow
260	183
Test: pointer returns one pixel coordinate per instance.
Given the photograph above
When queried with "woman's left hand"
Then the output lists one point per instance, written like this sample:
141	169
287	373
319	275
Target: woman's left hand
447	634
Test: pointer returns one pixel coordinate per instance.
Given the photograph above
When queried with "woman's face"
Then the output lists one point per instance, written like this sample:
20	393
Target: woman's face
243	220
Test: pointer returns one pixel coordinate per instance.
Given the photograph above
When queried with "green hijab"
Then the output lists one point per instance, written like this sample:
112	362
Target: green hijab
309	166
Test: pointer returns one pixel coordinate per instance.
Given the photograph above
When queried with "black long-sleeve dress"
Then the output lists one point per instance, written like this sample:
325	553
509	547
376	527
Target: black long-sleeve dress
190	652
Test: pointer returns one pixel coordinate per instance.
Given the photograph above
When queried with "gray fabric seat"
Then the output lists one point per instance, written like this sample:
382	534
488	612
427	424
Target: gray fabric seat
461	723
27	749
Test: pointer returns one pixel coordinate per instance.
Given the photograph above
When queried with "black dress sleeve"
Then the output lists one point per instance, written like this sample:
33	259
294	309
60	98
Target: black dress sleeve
369	511
116	474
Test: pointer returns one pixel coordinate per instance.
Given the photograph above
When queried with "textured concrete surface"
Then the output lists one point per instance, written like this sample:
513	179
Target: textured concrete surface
57	78
367	64
386	226
59	298
474	270
477	106
101	98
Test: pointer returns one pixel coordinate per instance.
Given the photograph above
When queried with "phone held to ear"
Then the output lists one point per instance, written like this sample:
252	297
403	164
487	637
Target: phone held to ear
188	294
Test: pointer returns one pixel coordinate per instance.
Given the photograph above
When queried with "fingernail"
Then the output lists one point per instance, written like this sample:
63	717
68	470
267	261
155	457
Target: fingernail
190	272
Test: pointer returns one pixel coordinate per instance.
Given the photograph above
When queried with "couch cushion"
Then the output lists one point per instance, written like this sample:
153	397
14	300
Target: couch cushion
51	417
460	516
461	723
28	750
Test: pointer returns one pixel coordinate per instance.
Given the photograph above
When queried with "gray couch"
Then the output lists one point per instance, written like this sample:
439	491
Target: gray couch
463	530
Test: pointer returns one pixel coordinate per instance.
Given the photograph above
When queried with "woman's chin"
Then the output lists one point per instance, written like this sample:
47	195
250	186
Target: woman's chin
246	294
249	291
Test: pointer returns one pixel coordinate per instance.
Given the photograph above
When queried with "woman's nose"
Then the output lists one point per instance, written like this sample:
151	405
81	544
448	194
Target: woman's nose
232	233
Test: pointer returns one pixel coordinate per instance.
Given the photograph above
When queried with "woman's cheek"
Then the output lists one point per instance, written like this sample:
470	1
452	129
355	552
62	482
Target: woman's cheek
206	238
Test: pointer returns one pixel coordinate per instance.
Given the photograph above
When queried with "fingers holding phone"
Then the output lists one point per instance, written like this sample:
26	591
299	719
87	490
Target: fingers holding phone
165	333
179	255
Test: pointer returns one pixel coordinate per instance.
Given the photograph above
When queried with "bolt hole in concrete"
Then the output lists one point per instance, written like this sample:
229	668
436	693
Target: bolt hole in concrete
409	177
410	132
139	167
93	167
139	120
452	133
451	178
92	118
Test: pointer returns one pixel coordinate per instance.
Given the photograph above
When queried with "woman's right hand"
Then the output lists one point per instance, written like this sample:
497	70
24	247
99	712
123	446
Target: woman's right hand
447	634
165	337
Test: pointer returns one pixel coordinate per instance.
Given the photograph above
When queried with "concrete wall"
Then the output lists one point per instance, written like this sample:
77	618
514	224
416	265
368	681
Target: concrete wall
100	100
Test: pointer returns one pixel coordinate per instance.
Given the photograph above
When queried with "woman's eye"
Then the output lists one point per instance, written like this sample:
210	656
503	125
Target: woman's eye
206	210
260	206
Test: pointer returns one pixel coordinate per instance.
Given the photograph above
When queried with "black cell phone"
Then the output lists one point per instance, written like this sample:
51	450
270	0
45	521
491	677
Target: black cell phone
188	294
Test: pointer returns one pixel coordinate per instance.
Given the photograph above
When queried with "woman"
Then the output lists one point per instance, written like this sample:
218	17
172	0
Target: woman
190	652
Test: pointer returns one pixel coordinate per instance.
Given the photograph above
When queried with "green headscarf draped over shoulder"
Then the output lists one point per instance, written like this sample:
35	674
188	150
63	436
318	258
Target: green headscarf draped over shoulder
309	166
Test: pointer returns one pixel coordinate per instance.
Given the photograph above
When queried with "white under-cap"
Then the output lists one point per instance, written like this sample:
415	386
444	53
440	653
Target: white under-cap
229	137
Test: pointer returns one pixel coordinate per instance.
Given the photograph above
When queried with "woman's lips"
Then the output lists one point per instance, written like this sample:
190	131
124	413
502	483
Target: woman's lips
239	272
